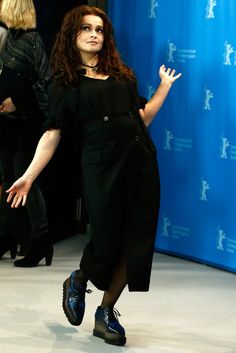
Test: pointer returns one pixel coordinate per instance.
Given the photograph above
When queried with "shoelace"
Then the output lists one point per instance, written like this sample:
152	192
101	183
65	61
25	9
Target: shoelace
77	291
116	313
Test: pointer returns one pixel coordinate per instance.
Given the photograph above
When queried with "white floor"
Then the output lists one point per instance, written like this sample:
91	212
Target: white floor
190	308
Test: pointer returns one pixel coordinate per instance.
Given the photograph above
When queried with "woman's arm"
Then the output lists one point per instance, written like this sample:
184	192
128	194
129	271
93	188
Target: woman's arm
153	106
45	150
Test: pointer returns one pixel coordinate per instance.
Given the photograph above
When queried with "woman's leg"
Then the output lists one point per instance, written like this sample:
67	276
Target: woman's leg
73	303
107	325
118	283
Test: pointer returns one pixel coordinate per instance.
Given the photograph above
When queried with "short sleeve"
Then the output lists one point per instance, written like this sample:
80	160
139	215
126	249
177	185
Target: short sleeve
140	101
58	113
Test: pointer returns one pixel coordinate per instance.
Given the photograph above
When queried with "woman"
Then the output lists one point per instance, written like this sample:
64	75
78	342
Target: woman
23	106
3	35
93	96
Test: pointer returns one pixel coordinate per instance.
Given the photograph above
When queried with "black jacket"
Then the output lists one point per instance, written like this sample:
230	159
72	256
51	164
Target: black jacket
24	71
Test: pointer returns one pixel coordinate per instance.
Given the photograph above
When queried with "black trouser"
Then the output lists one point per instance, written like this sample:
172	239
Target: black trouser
13	162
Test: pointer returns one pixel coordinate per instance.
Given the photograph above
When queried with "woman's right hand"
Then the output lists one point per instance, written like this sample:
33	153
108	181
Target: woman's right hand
47	145
18	192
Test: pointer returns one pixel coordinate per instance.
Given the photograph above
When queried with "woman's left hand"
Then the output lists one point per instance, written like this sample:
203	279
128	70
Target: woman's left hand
168	75
7	106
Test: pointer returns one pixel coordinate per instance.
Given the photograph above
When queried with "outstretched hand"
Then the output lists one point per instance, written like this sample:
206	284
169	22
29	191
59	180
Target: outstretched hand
18	192
168	75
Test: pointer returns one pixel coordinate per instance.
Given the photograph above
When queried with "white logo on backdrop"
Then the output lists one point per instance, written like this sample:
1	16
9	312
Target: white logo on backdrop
227	149
221	237
151	91
165	226
225	243
210	8
168	137
204	187
153	7
208	96
171	49
180	55
224	145
179	144
227	53
174	231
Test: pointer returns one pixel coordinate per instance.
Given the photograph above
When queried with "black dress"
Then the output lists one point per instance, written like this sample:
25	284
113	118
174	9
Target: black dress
119	176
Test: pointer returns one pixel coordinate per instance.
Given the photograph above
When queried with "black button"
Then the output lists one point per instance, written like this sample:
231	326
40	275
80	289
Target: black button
111	143
130	115
137	138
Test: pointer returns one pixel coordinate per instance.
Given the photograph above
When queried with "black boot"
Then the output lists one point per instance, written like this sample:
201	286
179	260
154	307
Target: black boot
41	247
74	299
107	326
8	245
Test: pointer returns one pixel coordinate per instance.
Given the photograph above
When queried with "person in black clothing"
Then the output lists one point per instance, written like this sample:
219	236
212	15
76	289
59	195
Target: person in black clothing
94	97
23	107
3	34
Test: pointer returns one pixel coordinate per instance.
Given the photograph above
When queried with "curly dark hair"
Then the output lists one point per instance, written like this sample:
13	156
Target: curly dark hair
66	59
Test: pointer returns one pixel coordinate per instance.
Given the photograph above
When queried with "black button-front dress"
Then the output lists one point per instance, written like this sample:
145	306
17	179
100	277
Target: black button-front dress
119	176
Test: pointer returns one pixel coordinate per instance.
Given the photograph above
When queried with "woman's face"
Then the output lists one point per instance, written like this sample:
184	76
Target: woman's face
91	36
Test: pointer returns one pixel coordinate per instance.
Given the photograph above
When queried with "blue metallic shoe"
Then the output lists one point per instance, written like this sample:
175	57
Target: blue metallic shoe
108	327
74	300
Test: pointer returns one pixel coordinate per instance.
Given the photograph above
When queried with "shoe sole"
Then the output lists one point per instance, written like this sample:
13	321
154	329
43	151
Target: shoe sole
26	265
64	300
115	341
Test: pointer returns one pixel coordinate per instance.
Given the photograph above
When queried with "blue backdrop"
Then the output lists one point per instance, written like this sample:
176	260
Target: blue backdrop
195	131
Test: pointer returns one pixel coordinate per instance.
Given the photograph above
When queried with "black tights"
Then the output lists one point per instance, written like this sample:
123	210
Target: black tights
118	283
